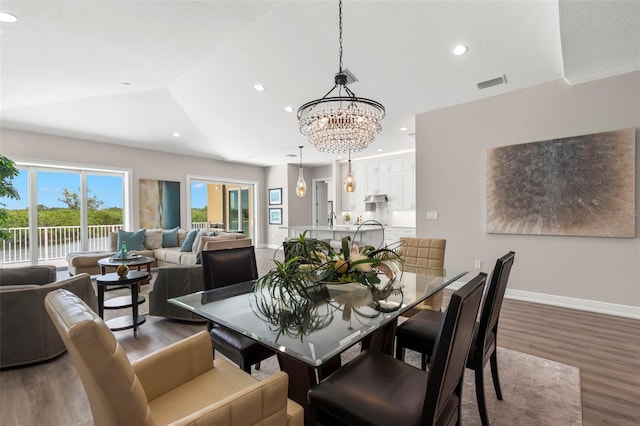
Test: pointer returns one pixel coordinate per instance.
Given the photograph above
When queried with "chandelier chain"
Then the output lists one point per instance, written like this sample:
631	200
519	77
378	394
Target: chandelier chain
340	32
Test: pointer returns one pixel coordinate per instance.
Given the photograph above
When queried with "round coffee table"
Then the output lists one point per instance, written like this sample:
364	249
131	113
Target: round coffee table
112	262
131	280
137	261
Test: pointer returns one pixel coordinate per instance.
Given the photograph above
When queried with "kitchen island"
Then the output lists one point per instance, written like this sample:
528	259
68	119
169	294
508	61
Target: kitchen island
363	235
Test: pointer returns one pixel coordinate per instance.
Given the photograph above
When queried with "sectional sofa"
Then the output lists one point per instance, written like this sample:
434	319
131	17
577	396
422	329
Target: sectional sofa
166	247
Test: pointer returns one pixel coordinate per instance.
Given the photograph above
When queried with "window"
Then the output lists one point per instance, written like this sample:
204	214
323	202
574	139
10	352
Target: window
63	210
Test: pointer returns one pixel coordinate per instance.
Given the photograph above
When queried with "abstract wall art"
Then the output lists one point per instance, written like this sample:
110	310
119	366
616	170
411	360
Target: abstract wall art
581	186
159	204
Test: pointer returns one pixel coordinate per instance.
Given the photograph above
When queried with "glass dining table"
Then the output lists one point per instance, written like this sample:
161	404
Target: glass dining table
308	333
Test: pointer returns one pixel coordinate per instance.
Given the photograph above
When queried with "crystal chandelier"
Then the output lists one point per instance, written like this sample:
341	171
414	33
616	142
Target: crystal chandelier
344	123
301	185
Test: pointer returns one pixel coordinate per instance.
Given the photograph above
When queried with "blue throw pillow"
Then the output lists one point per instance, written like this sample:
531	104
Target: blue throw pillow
134	240
170	237
188	241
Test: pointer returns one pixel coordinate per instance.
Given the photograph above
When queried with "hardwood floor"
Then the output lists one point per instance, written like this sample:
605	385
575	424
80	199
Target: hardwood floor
605	348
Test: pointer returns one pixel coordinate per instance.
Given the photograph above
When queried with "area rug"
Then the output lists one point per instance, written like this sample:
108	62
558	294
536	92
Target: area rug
536	391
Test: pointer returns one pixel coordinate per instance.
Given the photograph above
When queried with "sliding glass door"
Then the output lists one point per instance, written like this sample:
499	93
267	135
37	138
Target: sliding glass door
62	210
223	205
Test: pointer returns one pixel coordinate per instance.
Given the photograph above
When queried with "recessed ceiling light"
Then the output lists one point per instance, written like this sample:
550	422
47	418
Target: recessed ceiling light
288	108
379	149
460	49
7	17
259	87
126	83
176	134
403	129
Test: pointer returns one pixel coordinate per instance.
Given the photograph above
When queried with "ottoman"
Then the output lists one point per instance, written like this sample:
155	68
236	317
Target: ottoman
86	261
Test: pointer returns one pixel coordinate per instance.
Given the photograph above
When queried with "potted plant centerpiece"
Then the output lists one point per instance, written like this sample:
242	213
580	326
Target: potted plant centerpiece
310	263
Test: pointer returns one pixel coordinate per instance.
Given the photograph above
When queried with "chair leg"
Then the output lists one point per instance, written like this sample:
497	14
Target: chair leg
399	351
494	375
482	405
423	358
257	365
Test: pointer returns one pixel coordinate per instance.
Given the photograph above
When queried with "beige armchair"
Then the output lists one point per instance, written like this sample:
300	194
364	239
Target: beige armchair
27	334
177	385
420	253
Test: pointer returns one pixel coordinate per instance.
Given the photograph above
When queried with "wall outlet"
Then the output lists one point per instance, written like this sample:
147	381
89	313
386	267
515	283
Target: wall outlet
433	215
477	264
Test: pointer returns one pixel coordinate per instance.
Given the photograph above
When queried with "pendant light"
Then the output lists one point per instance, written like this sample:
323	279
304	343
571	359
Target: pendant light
301	185
349	180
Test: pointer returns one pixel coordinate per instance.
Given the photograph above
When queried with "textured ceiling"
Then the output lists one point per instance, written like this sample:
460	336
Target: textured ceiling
191	65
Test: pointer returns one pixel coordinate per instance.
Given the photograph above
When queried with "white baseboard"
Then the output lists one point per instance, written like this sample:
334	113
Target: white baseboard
568	302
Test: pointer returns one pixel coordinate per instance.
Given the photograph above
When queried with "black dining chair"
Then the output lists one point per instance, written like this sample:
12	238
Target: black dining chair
375	388
419	333
221	268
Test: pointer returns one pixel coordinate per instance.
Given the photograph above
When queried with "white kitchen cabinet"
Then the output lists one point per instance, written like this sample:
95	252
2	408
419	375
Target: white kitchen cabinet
409	190
394	176
393	234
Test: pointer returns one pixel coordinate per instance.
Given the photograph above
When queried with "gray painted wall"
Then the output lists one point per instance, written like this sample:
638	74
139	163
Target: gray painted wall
450	153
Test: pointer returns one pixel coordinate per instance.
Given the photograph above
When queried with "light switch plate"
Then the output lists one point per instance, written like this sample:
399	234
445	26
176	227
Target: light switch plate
433	215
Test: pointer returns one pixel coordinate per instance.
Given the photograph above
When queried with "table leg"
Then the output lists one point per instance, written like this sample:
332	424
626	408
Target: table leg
134	307
100	300
302	377
382	339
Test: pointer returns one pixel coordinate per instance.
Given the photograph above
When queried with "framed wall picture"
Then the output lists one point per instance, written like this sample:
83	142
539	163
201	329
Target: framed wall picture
275	196
159	204
578	186
275	216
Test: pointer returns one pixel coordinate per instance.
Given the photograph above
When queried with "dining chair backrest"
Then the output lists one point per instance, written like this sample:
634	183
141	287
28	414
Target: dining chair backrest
423	252
492	304
221	268
452	348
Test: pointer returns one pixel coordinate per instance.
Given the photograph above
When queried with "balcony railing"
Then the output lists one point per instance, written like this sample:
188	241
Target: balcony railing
55	242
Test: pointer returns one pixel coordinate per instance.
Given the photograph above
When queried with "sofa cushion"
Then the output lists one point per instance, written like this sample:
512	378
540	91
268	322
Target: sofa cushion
205	239
188	241
170	237
153	239
134	240
170	255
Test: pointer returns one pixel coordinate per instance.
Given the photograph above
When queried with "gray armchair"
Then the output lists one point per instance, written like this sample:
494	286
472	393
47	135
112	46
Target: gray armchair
26	331
175	281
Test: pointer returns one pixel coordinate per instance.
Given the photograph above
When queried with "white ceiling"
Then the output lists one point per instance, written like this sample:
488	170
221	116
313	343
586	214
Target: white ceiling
191	65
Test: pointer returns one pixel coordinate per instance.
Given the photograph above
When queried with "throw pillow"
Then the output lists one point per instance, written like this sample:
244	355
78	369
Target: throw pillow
153	239
170	237
134	240
196	242
188	241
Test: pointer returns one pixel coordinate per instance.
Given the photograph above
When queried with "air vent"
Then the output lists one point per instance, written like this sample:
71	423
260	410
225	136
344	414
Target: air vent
492	82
